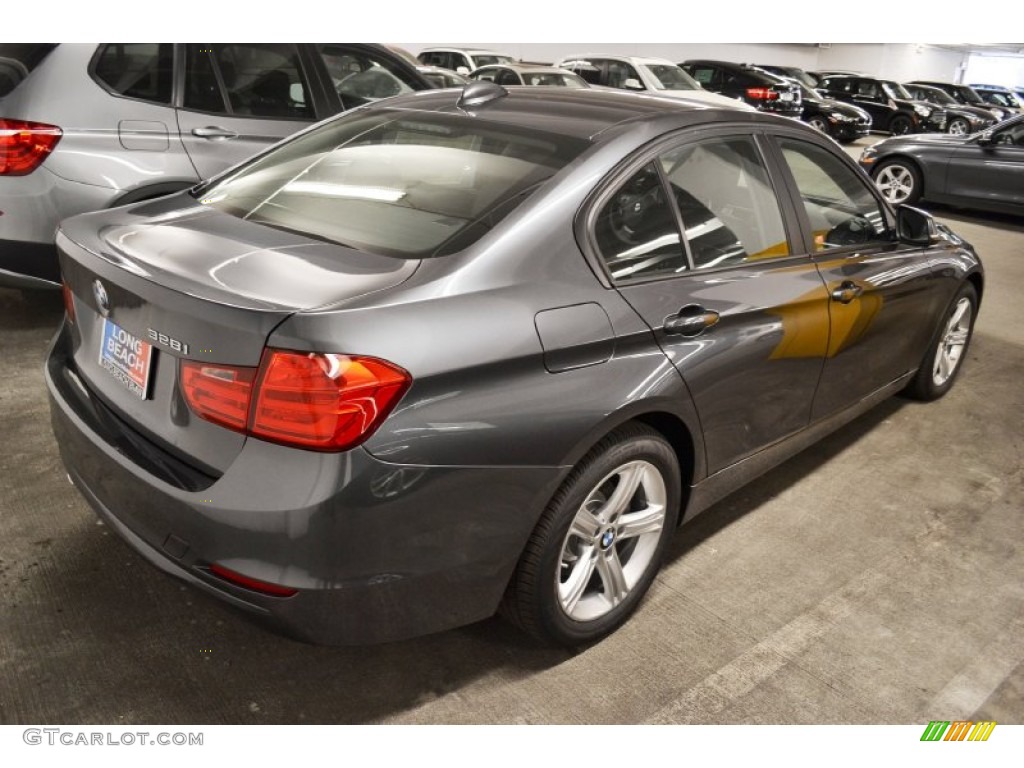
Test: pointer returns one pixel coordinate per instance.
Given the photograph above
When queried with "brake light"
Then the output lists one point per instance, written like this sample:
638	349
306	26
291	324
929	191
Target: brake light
24	145
69	302
241	580
762	94
218	393
326	402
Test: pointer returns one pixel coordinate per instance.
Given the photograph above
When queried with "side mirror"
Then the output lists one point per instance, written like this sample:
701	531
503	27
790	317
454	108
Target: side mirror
916	227
633	84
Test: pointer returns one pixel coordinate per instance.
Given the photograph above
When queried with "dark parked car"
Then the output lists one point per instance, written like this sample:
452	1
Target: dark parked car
84	127
463	350
892	109
984	170
529	74
758	88
964	94
1000	97
961	119
843	122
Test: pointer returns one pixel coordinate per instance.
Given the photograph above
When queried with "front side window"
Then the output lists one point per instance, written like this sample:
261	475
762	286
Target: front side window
254	79
411	185
486	59
589	71
636	230
841	208
507	77
705	76
137	70
557	79
727	204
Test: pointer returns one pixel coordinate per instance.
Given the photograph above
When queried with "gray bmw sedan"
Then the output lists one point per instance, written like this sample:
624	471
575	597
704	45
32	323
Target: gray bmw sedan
456	352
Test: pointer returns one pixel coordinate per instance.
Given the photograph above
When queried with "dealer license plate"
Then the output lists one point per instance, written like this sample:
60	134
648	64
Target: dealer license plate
127	358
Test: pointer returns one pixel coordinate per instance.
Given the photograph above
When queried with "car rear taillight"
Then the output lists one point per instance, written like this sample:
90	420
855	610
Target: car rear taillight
762	94
325	402
218	393
69	302
24	145
241	580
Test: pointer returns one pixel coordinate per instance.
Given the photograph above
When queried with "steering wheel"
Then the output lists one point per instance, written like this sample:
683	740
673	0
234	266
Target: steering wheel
632	206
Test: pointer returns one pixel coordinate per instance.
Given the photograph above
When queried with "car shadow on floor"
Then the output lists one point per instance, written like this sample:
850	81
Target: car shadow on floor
30	310
1004	221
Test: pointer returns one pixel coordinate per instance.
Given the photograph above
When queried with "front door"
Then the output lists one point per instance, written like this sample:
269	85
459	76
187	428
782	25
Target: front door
878	288
744	320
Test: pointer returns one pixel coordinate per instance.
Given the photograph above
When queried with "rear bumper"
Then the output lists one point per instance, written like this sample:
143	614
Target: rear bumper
378	551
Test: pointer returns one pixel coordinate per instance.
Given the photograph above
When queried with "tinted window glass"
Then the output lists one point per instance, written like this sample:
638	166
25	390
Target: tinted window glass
507	77
838	202
360	78
636	230
420	185
137	70
202	89
262	79
587	70
17	60
488	73
729	209
704	75
558	79
619	72
482	60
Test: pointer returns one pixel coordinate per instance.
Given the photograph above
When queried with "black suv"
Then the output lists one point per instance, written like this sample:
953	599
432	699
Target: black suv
756	87
891	108
961	119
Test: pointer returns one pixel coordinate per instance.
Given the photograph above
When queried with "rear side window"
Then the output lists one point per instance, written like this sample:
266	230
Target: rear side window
411	185
589	71
137	70
17	60
256	80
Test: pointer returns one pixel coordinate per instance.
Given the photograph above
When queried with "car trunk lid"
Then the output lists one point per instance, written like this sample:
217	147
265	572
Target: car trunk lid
199	285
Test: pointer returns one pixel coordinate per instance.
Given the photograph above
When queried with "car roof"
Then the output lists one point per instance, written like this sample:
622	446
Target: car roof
470	51
615	57
579	113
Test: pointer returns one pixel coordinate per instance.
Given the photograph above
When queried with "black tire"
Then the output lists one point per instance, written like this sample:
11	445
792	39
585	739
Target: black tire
958	127
556	556
932	381
899	181
900	125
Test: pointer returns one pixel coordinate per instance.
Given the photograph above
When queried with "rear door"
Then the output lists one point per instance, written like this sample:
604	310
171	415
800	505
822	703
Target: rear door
239	98
881	292
743	319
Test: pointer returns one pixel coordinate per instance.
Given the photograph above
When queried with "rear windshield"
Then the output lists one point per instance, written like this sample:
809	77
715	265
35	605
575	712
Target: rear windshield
17	60
403	184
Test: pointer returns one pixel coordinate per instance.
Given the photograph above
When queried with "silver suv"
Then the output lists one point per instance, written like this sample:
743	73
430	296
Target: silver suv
84	127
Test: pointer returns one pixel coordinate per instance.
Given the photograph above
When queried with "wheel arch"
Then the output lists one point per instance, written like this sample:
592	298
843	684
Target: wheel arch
150	191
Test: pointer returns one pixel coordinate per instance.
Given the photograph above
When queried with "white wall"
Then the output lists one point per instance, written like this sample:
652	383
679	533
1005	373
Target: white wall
996	70
899	61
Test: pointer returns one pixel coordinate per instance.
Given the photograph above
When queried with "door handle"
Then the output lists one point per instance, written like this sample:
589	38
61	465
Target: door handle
847	292
692	320
214	132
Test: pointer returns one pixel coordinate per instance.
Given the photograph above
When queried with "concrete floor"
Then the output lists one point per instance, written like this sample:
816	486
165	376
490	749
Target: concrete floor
875	578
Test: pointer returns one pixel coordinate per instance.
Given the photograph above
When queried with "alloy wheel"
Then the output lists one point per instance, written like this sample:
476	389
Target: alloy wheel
896	183
612	541
819	123
958	128
953	342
